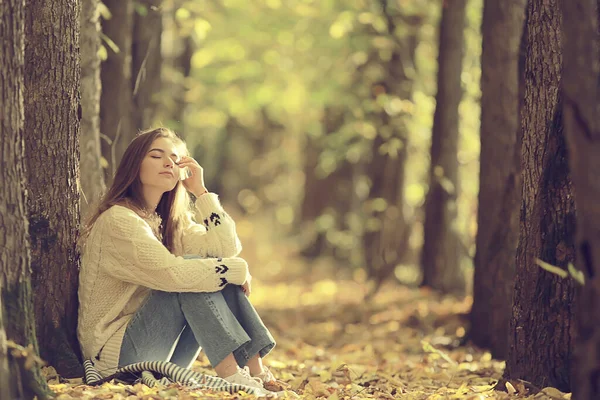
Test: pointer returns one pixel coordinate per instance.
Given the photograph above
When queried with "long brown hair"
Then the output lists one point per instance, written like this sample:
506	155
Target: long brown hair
126	188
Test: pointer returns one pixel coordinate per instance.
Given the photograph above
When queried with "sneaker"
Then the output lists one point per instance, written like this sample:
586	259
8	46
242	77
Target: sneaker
266	375
270	383
242	377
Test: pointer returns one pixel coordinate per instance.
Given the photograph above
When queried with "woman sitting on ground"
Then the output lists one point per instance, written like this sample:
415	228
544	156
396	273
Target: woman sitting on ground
157	286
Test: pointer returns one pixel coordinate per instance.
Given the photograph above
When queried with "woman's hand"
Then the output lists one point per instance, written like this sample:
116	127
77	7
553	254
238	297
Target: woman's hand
195	182
247	286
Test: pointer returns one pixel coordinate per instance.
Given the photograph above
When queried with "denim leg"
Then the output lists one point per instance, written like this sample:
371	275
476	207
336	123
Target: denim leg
240	325
262	341
153	331
187	349
174	326
215	327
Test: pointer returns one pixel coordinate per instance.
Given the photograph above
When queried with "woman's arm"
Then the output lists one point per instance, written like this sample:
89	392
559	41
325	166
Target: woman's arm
133	254
216	236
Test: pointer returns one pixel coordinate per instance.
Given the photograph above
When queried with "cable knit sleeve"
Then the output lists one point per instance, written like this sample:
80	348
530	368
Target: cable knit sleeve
216	236
136	256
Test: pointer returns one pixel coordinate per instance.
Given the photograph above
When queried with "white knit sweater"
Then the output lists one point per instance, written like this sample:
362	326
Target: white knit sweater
122	261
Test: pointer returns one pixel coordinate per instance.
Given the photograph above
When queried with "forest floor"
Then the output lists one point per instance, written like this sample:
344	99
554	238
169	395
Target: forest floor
404	343
333	343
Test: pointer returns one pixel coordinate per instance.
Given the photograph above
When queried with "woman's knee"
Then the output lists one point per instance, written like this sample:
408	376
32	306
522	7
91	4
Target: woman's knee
199	300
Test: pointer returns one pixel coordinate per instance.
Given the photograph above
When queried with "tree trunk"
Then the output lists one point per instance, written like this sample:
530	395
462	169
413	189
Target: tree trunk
500	179
92	177
183	64
581	110
52	113
146	61
385	245
540	331
325	191
176	66
17	322
440	258
116	124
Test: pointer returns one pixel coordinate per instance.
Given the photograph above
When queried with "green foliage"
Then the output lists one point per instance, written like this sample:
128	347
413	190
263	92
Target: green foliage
264	72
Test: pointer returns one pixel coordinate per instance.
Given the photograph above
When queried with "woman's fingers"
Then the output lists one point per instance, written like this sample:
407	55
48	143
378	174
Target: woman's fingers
188	160
246	288
188	164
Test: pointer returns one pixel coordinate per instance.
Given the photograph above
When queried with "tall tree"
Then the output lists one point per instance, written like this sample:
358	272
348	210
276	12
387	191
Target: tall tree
500	180
176	65
541	328
183	66
440	254
92	177
385	246
324	191
581	109
52	113
116	123
146	61
17	321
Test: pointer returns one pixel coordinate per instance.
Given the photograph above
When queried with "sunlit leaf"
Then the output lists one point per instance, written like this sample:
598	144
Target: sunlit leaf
576	274
551	268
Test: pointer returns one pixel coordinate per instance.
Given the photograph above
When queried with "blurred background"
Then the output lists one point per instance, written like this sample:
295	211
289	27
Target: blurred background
312	120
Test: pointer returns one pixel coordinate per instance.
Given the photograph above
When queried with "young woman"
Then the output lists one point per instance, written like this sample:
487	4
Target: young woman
157	286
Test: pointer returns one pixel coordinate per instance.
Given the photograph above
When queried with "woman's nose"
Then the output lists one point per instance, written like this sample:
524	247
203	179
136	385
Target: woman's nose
169	163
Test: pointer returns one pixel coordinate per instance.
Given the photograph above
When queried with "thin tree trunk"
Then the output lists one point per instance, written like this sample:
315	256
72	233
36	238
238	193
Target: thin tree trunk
500	180
52	114
582	129
176	66
146	61
116	124
385	246
92	177
183	64
325	192
17	321
440	258
540	331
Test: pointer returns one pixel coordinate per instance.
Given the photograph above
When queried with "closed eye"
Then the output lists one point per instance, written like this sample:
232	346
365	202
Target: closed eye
173	156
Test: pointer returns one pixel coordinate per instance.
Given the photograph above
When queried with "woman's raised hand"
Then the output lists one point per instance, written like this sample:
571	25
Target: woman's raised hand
194	183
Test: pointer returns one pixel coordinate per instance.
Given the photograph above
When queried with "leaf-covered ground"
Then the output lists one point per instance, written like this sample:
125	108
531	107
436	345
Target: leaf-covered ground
333	343
404	343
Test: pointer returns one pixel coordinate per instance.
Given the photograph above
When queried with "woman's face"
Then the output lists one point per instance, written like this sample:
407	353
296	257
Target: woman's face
159	169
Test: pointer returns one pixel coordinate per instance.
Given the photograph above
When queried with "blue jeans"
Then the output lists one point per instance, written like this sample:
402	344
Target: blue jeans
176	326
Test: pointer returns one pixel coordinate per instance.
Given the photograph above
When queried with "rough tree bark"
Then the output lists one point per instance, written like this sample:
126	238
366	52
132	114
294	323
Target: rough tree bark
92	177
52	114
581	109
146	61
540	330
17	322
385	247
440	258
116	124
500	178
